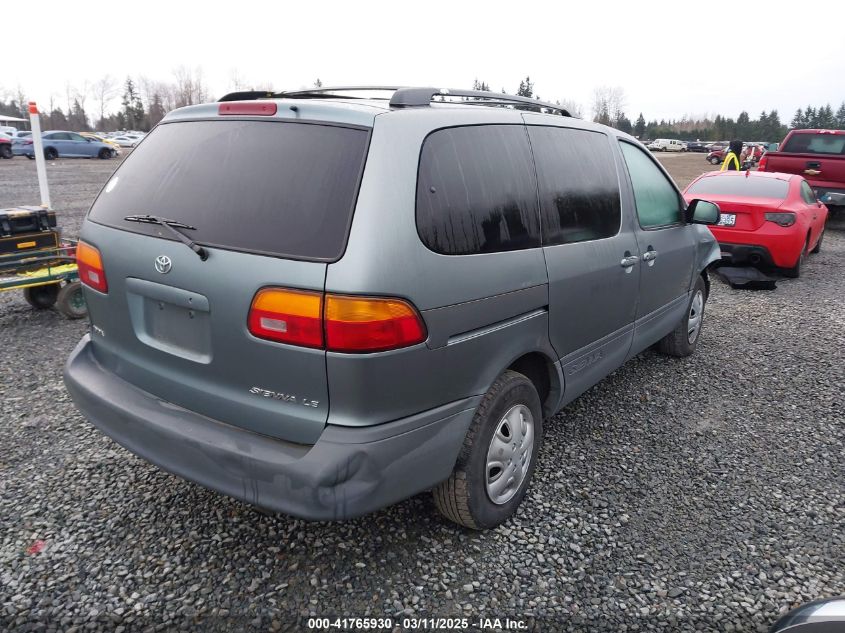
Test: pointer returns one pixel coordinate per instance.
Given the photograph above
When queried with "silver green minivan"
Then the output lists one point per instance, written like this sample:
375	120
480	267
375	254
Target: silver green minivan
324	302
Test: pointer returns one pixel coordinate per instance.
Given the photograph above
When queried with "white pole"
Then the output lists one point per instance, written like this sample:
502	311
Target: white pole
38	148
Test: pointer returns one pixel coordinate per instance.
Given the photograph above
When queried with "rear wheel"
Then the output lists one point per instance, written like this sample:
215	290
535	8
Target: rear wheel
41	297
498	456
683	340
5	150
71	301
795	271
818	247
50	153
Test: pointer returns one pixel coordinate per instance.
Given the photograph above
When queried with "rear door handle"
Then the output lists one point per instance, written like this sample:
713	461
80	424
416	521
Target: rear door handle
629	261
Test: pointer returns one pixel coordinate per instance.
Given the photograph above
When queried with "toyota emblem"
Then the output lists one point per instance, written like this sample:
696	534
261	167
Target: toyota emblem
163	264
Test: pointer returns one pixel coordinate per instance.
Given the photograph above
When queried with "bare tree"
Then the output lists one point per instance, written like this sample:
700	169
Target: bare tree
190	88
104	90
608	104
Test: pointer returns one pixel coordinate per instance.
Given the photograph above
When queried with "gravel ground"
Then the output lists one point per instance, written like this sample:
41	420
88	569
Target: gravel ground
676	495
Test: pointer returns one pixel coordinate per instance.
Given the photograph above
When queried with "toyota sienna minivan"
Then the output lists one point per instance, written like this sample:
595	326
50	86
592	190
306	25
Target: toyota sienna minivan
324	302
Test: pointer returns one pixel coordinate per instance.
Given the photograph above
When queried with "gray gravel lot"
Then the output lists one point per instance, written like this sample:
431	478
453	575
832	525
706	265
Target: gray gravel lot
677	495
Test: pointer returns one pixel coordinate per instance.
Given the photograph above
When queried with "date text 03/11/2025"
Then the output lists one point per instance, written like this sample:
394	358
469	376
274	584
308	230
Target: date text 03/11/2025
422	624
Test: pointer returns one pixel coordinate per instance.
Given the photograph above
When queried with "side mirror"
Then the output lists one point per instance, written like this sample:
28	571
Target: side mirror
702	212
819	616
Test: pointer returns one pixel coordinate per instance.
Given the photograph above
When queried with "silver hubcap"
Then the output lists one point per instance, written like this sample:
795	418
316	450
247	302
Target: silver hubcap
509	455
696	311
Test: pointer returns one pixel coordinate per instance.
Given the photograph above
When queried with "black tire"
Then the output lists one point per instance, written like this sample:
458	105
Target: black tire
71	301
41	297
795	271
50	153
680	342
818	247
104	153
463	497
6	150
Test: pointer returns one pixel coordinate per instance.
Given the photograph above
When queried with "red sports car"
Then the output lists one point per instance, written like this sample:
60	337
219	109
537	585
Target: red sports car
768	219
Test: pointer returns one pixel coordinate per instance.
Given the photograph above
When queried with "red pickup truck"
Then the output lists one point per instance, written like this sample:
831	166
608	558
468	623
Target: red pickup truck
819	156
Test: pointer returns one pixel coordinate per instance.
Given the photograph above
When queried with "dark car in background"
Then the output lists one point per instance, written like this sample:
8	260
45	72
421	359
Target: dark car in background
5	146
696	146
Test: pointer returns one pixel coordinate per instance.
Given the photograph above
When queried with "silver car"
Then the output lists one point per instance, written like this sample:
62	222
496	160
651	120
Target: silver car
322	304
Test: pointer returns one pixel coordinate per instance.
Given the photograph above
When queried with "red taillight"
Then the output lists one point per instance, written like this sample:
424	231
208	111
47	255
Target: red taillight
761	166
366	324
288	316
250	108
351	324
89	264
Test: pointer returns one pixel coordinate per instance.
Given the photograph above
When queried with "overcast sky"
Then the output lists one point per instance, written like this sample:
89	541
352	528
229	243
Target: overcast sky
670	58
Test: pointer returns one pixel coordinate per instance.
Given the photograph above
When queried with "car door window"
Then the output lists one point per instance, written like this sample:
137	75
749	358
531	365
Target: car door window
77	137
807	193
657	199
476	191
579	188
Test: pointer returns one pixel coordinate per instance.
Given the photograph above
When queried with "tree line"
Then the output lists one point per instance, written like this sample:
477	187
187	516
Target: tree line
144	102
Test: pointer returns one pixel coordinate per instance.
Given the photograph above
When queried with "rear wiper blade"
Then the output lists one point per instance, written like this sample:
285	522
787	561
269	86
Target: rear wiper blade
173	226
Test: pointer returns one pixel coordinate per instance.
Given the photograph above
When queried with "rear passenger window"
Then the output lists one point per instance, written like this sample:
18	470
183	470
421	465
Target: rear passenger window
476	191
579	188
658	202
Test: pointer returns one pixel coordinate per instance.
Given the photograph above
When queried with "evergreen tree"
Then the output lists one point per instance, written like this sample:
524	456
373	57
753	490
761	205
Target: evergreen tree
639	127
840	117
133	109
826	119
526	88
155	112
810	117
318	83
798	120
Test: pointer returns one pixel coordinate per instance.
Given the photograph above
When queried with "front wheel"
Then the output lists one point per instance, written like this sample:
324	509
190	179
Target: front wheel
683	340
104	153
497	458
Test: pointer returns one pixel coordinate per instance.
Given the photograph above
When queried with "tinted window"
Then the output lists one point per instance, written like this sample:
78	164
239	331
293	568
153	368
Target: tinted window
658	202
476	191
816	144
579	189
754	186
281	188
76	137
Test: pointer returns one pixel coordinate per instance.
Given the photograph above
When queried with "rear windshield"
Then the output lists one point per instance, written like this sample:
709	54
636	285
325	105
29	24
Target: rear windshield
751	186
280	188
815	144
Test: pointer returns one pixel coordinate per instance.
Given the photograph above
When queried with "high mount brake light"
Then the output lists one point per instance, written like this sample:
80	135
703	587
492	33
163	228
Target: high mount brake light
251	108
89	264
351	324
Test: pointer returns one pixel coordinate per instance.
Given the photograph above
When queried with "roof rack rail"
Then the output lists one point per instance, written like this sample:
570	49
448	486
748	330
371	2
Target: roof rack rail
416	97
403	97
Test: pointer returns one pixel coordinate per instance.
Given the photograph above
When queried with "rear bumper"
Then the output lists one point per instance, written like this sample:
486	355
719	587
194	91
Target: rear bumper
348	472
776	245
